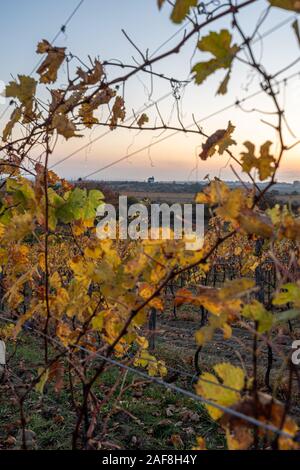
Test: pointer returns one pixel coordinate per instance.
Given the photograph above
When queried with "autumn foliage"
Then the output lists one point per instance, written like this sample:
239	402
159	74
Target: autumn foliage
87	301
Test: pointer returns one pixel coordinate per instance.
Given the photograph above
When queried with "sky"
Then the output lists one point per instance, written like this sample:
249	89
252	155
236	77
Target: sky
96	30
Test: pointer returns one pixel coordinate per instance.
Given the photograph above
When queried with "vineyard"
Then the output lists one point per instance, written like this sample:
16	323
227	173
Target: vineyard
121	343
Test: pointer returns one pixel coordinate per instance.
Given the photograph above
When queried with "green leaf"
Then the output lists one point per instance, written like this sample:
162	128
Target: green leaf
95	198
219	45
291	293
223	88
286	4
55	202
284	317
181	9
73	207
79	205
21	191
204	69
257	312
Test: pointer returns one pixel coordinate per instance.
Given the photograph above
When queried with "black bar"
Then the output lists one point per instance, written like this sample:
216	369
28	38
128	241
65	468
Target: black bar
135	458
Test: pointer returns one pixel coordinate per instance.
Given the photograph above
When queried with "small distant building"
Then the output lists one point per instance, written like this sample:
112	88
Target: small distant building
150	180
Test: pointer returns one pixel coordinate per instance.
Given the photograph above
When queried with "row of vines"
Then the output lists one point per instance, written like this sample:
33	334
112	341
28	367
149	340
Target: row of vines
86	302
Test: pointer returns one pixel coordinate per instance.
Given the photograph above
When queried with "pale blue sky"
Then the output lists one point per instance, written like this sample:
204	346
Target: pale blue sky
96	30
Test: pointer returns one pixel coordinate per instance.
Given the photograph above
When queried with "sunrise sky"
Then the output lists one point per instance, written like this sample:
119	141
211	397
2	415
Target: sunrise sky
95	30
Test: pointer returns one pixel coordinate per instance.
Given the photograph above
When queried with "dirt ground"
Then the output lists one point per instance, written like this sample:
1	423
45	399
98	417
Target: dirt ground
175	342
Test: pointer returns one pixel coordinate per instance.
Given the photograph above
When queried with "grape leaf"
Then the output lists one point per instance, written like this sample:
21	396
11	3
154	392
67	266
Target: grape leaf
86	113
209	387
93	76
222	90
286	4
14	118
221	139
219	45
94	199
118	112
44	374
142	120
181	9
291	293
257	312
49	67
264	163
24	91
256	223
64	126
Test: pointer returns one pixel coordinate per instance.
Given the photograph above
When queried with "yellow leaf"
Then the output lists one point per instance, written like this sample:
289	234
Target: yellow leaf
97	322
43	379
286	4
219	45
142	120
181	9
92	76
216	193
264	163
211	389
231	208
221	139
240	438
55	280
41	261
118	112
290	293
154	367
255	223
7	332
142	342
49	67
145	290
64	126
24	91
63	332
14	118
2	230
93	252
86	113
201	445
227	331
236	288
257	312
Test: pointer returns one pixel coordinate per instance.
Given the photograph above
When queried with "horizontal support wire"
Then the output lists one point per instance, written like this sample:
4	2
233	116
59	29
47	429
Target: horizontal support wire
175	388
